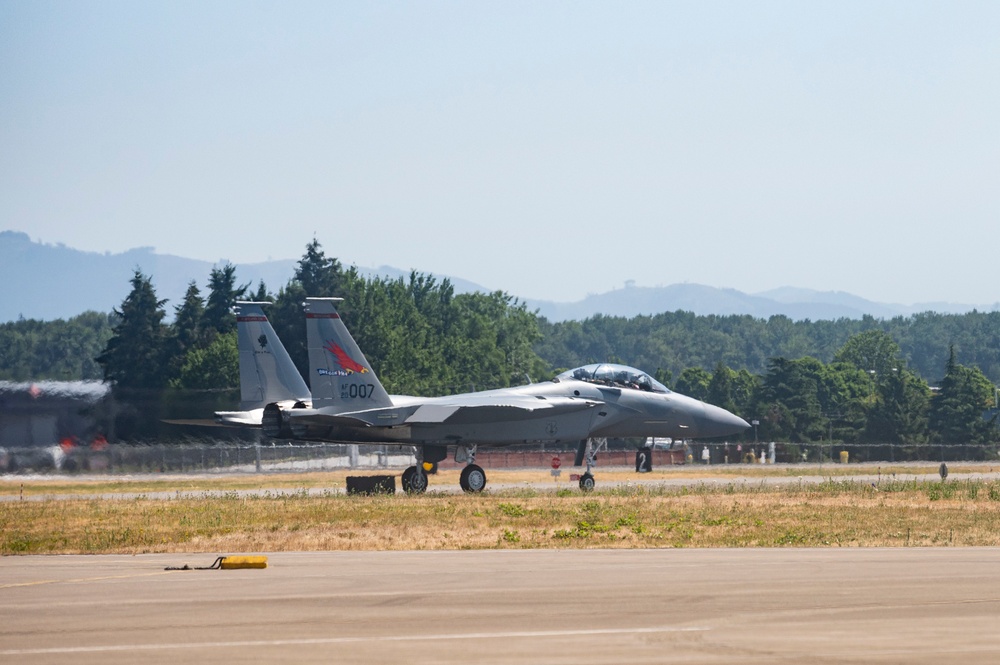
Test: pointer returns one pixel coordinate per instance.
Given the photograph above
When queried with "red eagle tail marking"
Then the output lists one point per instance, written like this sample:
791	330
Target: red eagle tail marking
344	360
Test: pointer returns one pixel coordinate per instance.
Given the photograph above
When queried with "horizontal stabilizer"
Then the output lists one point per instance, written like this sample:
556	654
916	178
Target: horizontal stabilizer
197	422
239	418
307	417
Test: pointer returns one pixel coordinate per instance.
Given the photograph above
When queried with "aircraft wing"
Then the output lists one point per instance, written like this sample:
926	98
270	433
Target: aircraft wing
459	409
485	408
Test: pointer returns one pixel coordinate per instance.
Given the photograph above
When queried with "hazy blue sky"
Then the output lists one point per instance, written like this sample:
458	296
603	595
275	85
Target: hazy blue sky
549	149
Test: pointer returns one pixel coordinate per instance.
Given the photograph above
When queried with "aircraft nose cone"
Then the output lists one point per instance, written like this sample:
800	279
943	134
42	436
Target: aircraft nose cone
718	422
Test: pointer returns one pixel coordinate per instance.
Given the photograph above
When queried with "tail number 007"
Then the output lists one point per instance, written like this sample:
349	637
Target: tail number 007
357	391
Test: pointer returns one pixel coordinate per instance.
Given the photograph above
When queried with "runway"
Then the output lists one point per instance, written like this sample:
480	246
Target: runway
522	606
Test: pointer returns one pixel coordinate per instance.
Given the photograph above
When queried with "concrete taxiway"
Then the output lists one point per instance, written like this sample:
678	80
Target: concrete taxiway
553	606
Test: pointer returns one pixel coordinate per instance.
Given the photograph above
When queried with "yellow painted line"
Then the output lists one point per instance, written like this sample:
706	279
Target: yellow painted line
78	580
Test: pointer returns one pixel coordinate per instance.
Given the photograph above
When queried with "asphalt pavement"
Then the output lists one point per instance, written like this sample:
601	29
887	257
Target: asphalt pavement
522	606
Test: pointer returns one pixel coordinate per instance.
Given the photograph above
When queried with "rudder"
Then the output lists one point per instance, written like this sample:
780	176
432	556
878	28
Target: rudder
267	373
341	377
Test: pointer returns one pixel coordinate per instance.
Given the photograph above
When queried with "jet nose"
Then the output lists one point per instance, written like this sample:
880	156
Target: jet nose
717	422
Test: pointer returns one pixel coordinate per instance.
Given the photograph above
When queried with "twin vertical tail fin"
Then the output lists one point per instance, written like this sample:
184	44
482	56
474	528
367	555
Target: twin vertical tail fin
267	373
341	377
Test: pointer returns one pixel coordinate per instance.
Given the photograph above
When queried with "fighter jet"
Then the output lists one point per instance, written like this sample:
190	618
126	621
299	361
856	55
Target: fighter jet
587	404
267	373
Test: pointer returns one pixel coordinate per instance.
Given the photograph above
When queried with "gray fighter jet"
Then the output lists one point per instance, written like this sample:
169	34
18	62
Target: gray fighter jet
587	404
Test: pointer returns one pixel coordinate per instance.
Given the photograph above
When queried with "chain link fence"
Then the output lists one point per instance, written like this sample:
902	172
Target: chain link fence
202	458
813	453
274	457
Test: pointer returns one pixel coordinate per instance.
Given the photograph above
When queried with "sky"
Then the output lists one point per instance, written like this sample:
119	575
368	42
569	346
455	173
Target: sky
547	149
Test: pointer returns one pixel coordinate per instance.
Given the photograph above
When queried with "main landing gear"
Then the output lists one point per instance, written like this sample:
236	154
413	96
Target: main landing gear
472	480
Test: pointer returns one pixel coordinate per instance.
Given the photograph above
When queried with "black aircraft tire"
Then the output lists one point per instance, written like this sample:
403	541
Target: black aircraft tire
587	482
473	479
414	481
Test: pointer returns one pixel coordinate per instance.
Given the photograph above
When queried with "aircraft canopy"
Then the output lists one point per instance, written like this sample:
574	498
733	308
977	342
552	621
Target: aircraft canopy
620	376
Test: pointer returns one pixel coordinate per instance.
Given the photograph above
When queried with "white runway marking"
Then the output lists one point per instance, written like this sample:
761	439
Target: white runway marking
353	640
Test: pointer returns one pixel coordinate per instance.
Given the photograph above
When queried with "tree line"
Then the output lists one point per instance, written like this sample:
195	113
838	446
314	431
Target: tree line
805	400
848	380
674	341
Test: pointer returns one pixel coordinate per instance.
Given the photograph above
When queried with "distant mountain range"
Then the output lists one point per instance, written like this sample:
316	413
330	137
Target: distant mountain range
703	300
46	282
41	281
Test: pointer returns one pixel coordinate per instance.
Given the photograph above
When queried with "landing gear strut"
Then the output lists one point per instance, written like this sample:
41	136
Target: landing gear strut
414	479
593	447
473	478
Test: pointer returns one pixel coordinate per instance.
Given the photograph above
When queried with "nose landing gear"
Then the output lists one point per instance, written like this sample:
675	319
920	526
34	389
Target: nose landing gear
590	455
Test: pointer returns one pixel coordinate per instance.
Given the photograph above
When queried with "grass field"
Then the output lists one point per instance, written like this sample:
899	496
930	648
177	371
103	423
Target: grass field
284	516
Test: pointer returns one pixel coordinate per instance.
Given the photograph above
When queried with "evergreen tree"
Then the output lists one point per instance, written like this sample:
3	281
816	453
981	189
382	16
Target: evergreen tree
957	411
899	415
720	388
664	376
188	318
790	401
261	295
321	277
61	350
694	382
222	296
134	355
740	389
874	351
845	395
215	367
289	323
186	332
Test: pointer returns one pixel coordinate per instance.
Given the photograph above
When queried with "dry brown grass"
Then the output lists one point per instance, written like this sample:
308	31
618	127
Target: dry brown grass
830	514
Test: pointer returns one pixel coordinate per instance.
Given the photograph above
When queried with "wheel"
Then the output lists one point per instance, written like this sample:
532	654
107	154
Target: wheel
414	480
473	478
407	477
586	482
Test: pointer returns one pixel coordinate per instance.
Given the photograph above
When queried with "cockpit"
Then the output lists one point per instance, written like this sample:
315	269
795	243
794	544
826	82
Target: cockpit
618	376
